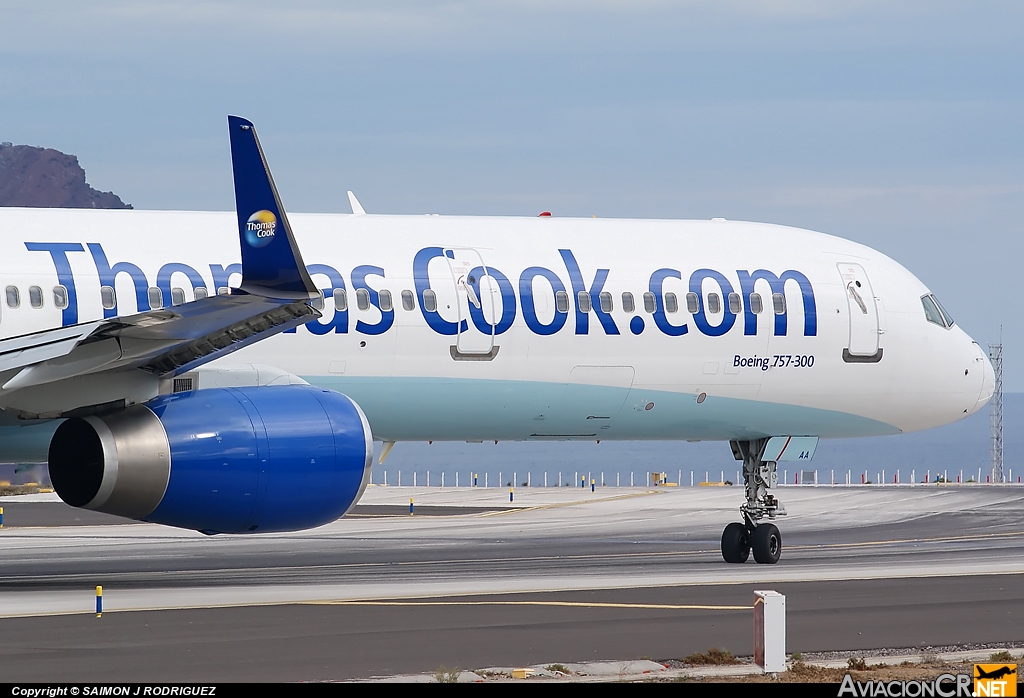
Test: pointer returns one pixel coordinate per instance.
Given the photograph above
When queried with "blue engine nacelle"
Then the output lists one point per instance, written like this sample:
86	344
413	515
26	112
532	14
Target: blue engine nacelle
225	460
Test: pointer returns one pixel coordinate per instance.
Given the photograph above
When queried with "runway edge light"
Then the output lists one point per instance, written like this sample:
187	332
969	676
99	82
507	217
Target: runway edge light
770	631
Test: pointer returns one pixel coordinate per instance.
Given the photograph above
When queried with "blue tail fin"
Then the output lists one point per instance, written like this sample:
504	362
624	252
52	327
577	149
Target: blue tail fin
271	262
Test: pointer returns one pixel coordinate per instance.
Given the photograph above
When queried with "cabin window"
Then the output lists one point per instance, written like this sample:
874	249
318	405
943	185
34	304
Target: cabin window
756	306
714	303
408	300
779	303
583	301
13	297
108	298
35	296
340	299
650	304
735	304
671	303
606	302
317	302
156	298
692	303
562	302
362	299
177	296
384	298
60	297
429	301
627	302
201	292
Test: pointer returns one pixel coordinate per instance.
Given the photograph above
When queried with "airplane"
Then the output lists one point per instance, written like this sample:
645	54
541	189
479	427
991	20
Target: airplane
171	372
995	673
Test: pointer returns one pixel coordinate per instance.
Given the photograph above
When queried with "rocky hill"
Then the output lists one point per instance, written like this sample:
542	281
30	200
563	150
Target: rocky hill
47	178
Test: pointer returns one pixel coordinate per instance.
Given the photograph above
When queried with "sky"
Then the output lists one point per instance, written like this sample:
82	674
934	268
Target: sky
897	125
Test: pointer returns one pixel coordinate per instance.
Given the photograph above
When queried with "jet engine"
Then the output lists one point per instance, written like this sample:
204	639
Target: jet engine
225	460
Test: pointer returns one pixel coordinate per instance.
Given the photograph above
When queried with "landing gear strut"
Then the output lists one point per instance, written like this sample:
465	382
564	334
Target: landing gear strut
763	539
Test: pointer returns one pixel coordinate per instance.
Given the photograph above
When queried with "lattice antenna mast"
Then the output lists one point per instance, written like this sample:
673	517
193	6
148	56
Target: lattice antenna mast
995	354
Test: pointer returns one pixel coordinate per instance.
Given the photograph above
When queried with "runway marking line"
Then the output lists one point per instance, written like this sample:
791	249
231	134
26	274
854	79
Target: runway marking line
565	604
670	585
570	504
895	541
541	558
504	511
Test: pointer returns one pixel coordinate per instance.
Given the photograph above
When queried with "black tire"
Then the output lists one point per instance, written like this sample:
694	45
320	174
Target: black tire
735	546
766	542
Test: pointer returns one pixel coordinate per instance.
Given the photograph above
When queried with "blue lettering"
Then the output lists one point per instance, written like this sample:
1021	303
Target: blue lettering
108	275
578	285
387	318
530	308
163	279
222	275
338	323
59	254
778	285
508	301
700	317
422	281
660	319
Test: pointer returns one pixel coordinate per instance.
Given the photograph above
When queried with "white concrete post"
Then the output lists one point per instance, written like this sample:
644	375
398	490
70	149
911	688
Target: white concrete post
770	631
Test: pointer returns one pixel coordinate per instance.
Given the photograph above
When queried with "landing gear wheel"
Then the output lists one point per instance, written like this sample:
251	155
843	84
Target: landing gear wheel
766	542
735	543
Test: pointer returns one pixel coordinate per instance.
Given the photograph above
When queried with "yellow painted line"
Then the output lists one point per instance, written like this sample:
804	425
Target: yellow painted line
899	541
565	604
669	585
570	504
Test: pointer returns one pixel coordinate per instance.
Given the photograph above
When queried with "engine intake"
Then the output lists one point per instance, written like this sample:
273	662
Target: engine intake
226	460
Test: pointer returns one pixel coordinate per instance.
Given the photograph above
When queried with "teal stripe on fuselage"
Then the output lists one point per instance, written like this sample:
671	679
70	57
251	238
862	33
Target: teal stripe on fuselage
456	409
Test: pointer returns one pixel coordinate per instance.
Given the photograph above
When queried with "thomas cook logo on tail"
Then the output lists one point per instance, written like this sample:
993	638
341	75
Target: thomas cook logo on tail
260	229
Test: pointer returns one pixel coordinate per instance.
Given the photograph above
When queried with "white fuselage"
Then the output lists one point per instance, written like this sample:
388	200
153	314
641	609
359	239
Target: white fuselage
847	350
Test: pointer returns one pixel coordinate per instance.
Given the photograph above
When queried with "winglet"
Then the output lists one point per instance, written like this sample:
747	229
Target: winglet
357	208
271	262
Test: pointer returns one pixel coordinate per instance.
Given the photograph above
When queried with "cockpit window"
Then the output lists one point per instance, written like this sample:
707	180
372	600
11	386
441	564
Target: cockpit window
945	314
934	313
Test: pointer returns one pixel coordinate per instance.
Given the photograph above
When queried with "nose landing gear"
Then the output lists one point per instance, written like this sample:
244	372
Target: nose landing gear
761	538
736	543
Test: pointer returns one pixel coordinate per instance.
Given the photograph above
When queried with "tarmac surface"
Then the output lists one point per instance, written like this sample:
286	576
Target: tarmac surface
559	575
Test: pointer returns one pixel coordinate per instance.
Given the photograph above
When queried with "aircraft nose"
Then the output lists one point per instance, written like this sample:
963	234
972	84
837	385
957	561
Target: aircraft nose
987	378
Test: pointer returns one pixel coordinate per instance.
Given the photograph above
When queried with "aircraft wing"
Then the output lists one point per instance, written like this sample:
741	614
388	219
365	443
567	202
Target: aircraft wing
275	295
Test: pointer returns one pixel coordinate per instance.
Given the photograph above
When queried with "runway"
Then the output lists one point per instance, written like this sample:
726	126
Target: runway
567	575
